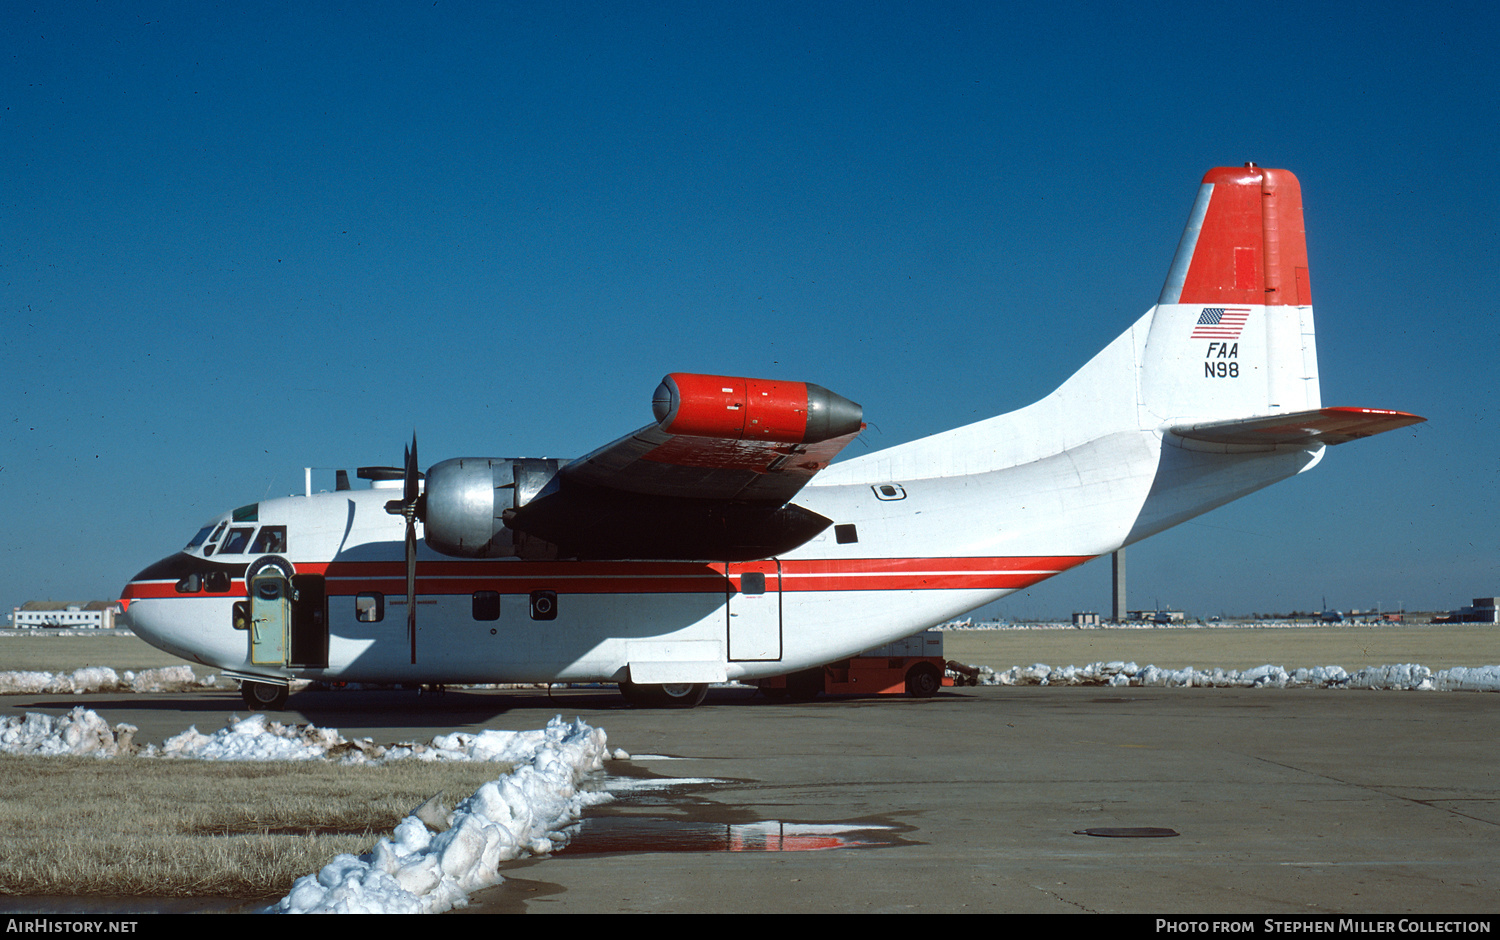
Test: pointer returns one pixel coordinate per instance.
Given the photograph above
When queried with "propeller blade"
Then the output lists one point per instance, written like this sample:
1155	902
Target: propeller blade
409	501
411	508
411	586
409	487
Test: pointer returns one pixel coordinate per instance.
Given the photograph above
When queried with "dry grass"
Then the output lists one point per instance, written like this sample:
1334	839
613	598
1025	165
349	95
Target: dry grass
48	651
53	651
175	828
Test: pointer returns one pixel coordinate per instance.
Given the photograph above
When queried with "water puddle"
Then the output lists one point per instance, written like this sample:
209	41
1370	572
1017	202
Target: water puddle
655	834
672	814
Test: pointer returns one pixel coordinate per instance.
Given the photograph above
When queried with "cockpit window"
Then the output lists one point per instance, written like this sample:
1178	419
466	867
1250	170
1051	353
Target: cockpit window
237	540
250	513
218	531
272	539
200	538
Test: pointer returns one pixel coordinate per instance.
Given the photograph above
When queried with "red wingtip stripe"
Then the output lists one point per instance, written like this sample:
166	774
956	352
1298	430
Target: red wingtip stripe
1252	248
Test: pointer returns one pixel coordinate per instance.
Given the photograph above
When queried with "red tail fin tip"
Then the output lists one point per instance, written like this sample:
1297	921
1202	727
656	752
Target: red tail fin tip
1251	247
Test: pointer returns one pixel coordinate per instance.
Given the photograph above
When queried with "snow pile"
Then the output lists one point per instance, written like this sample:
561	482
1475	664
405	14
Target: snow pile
103	679
1396	677
81	732
419	871
168	679
1467	679
251	739
260	738
429	864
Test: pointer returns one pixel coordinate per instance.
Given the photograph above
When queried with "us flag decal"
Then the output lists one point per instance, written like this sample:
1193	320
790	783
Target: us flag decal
1220	323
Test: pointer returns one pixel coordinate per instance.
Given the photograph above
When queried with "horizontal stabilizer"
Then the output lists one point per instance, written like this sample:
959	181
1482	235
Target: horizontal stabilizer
1302	428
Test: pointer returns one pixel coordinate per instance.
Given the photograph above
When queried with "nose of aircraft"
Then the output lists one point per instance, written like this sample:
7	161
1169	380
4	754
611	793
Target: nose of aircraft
146	591
184	605
147	581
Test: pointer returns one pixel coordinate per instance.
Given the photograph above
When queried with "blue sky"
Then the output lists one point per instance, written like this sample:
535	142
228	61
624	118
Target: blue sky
241	239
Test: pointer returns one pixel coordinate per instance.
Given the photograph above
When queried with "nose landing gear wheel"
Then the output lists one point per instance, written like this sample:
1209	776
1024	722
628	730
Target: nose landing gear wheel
263	696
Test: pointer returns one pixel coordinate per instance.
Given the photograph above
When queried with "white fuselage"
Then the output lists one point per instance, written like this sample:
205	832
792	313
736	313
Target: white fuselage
901	556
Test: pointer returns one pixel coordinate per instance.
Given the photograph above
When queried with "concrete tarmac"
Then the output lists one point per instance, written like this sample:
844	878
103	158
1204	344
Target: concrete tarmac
1305	802
1282	801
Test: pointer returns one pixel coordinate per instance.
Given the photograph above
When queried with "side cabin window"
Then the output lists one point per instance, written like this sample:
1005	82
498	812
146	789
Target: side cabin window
486	605
369	607
543	605
753	582
216	581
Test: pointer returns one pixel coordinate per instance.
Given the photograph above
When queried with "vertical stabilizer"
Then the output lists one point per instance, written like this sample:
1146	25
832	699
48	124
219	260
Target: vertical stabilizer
1231	337
1232	333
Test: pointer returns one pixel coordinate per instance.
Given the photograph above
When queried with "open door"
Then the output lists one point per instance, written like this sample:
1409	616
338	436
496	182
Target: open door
308	631
270	616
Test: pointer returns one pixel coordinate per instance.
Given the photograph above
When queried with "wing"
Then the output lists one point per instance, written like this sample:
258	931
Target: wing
712	479
1301	429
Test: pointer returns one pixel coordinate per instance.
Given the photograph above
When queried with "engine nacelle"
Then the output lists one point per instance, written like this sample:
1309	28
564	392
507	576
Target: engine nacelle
468	499
752	409
467	496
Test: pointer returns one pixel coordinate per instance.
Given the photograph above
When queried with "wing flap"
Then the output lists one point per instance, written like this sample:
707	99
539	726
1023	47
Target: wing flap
651	462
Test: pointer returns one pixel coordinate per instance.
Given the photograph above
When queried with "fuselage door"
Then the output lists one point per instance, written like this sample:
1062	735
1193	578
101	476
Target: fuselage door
755	611
270	616
308	632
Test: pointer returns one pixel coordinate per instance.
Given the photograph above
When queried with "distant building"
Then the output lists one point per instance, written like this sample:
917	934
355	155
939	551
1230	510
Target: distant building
95	615
1483	610
1085	618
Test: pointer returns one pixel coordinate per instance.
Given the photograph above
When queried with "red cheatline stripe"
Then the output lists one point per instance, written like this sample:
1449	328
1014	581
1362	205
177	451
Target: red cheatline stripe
802	575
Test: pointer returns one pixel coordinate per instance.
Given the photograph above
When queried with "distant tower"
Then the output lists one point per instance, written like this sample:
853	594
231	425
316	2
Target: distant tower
1117	562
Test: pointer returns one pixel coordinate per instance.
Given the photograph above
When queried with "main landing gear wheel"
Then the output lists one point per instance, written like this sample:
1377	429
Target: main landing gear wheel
672	695
263	696
923	681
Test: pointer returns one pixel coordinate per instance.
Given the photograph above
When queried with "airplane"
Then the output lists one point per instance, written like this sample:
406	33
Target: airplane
721	542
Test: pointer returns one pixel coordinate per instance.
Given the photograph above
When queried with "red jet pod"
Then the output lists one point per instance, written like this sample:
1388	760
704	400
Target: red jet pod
752	409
